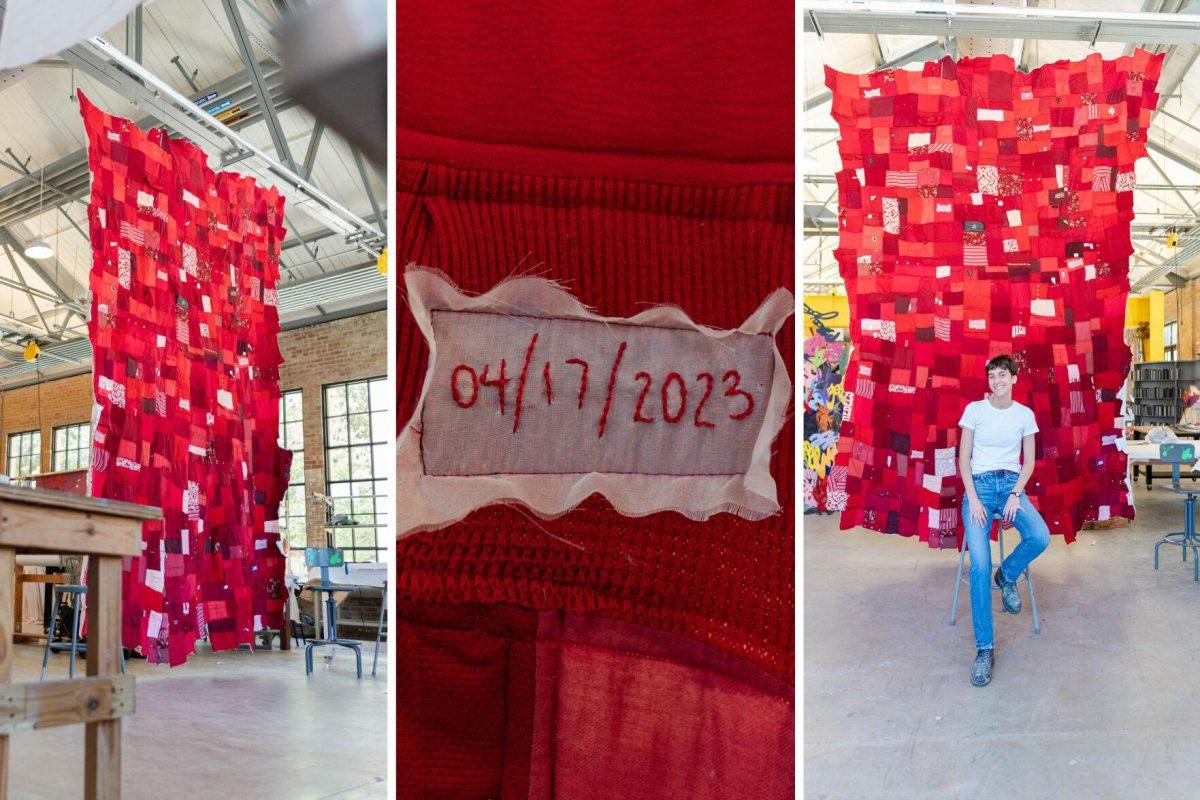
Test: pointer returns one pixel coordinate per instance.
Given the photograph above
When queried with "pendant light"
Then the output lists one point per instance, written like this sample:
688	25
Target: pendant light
38	249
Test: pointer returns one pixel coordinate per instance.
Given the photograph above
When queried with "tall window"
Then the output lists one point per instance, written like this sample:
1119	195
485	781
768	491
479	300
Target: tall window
24	454
292	519
72	447
357	431
1171	341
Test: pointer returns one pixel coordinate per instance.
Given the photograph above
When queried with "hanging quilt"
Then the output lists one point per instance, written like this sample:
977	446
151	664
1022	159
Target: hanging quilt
825	356
184	332
986	211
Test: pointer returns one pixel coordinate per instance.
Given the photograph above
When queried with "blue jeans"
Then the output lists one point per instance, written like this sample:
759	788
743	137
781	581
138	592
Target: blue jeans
993	489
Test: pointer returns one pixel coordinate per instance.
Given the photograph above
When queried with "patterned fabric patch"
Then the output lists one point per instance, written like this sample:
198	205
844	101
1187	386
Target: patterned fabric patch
530	397
186	380
1022	248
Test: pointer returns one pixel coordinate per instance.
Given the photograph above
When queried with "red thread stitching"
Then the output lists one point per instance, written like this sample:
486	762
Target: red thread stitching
521	383
454	386
501	383
612	384
637	412
549	386
582	379
734	390
696	418
682	398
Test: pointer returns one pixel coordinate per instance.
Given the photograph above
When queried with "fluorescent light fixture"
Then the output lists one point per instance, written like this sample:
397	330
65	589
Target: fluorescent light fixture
38	249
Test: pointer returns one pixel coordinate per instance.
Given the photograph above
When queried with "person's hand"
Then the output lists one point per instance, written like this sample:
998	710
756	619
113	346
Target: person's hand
975	508
1011	507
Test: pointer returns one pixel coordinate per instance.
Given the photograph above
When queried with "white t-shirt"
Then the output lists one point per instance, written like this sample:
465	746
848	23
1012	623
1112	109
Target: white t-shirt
998	434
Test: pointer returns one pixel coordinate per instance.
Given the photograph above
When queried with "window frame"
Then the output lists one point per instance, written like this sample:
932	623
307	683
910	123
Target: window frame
286	519
359	537
84	450
34	435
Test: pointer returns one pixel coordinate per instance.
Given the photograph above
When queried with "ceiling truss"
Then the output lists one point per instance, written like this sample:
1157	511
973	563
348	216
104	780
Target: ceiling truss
1163	26
59	313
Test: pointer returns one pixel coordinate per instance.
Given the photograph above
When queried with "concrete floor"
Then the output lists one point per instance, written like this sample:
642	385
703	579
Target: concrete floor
1105	703
225	725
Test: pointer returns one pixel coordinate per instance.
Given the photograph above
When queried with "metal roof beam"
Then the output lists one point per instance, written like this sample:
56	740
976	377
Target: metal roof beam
25	286
69	177
314	143
257	81
7	237
108	65
936	19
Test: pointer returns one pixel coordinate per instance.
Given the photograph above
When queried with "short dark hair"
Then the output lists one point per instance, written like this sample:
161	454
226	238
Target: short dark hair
1003	361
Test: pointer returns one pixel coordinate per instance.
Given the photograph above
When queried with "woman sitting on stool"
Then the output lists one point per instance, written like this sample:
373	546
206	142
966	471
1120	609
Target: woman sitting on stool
996	461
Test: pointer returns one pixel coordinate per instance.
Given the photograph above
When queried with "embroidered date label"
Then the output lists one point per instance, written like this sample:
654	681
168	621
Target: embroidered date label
530	397
537	395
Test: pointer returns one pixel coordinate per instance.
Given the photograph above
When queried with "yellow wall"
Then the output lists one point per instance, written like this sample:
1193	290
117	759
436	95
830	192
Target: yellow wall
823	303
1154	347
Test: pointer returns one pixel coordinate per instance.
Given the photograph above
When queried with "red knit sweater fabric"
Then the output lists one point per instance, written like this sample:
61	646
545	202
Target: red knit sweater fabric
640	154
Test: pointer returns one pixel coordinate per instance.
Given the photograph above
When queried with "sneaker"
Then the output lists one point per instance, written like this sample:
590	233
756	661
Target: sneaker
1008	593
981	674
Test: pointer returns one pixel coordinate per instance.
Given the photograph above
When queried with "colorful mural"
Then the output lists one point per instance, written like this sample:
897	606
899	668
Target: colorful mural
825	356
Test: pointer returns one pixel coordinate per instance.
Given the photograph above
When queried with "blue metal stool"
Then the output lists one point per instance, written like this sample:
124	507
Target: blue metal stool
379	632
1176	453
74	646
960	579
324	558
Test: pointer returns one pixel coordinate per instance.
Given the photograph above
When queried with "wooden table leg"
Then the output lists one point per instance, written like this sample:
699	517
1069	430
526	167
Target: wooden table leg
102	754
8	566
18	598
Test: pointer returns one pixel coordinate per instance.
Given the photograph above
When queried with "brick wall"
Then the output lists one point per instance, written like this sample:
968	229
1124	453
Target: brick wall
343	350
1182	305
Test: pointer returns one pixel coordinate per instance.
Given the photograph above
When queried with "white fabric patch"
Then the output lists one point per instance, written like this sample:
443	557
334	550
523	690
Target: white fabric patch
1014	218
942	272
154	579
943	460
529	397
919	139
990	115
1042	308
224	399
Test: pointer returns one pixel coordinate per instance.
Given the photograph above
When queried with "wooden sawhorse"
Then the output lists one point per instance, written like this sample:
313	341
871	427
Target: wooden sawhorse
45	521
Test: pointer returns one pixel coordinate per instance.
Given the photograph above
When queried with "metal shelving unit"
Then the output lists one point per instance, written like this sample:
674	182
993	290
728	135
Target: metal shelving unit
1158	389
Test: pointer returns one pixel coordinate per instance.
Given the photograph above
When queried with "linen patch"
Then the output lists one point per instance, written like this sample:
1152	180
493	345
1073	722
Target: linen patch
529	397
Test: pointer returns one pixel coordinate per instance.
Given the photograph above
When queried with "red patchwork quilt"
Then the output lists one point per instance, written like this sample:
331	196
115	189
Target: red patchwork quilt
184	332
984	211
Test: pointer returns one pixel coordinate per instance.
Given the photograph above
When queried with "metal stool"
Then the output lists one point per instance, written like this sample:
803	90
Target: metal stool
960	579
1187	537
74	646
379	631
324	558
